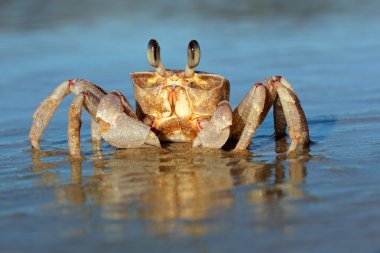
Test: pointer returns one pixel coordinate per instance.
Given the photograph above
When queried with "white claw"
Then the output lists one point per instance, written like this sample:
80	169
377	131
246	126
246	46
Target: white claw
214	134
120	130
211	136
153	140
222	117
109	107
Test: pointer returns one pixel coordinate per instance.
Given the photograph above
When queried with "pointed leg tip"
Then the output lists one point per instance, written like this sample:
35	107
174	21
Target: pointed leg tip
297	147
35	144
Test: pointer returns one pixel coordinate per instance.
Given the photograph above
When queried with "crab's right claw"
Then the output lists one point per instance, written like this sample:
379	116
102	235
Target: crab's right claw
119	129
215	133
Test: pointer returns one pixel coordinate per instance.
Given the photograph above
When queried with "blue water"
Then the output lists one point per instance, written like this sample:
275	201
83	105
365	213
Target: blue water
181	200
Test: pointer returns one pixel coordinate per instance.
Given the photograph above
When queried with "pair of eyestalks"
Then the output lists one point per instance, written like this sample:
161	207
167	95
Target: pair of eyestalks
193	57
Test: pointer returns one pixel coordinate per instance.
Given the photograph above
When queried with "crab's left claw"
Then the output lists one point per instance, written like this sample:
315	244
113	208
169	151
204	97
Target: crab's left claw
215	133
119	129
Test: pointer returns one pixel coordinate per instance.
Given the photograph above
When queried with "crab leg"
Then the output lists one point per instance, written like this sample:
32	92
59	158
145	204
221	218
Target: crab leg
294	115
215	133
90	102
73	130
95	131
248	116
96	137
279	119
45	112
287	111
119	129
49	105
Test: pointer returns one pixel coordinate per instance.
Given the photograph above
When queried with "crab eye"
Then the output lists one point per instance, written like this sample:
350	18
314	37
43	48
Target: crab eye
153	53
193	54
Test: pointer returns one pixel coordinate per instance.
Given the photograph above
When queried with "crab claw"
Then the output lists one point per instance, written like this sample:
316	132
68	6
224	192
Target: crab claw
119	129
215	133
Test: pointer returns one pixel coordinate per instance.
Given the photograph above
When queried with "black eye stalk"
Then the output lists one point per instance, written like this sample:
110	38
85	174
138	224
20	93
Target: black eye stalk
154	57
193	57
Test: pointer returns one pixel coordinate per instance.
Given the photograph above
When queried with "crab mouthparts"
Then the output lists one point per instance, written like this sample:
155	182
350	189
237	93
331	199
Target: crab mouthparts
172	96
173	85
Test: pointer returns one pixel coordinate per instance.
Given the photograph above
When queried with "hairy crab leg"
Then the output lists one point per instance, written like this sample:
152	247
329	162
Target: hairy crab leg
49	105
121	130
215	133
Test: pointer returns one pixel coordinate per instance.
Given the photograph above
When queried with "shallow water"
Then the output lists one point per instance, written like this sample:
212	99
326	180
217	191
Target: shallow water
178	199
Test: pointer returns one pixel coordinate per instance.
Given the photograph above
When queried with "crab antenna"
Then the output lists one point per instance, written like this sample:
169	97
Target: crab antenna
193	57
154	58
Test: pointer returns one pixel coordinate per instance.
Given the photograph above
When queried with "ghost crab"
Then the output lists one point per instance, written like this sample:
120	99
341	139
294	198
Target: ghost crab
176	106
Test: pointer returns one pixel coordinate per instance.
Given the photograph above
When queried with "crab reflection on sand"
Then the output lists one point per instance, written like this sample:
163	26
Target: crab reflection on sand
176	188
